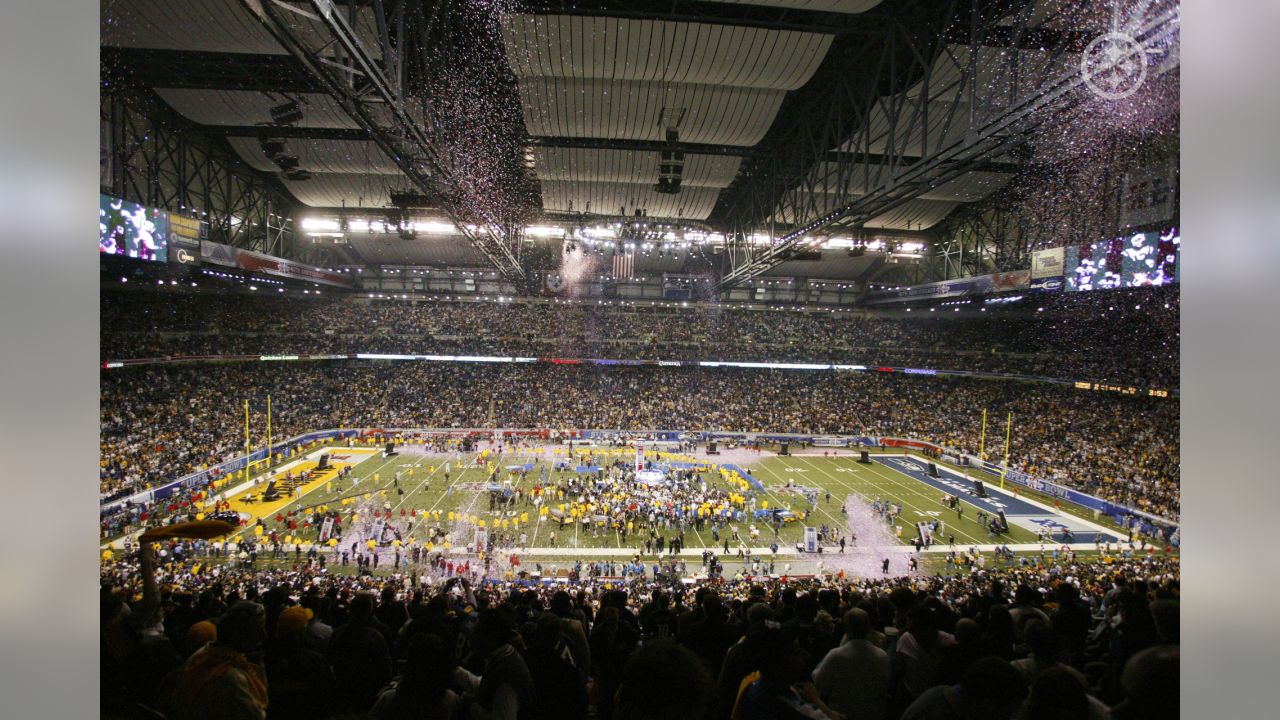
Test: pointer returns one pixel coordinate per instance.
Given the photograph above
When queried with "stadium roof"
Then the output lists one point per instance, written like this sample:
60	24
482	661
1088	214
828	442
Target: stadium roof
741	89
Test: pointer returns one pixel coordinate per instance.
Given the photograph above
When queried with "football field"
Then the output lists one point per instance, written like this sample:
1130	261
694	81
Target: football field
424	506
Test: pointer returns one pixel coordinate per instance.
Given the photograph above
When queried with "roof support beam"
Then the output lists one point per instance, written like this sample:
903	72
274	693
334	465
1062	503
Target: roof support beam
586	143
395	127
836	156
288	132
992	130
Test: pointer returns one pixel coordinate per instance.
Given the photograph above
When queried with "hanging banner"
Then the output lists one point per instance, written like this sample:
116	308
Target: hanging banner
326	529
480	541
1149	195
1047	263
106	155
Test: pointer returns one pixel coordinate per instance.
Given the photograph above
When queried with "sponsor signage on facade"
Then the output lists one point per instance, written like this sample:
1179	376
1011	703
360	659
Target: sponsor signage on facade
1047	263
1048	284
220	254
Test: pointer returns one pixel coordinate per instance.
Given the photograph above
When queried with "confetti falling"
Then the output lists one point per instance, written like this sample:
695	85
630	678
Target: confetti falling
875	541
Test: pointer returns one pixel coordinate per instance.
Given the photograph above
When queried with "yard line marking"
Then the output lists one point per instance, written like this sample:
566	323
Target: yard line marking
910	489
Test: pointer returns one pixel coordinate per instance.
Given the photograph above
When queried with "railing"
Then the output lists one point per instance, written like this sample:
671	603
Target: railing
805	366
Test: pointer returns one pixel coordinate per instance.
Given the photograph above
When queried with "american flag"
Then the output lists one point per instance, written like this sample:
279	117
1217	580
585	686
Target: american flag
624	265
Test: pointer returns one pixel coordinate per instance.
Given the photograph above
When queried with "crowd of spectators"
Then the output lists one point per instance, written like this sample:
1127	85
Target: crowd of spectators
160	422
1121	336
188	639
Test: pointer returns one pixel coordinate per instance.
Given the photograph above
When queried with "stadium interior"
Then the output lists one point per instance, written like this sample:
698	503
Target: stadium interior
639	360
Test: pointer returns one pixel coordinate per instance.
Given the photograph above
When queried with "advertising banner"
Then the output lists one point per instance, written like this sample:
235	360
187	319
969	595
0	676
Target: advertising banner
1047	284
1013	280
811	540
960	287
185	230
184	240
219	254
1047	263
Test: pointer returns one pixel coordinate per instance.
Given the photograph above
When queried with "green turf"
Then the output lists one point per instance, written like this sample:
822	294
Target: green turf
841	476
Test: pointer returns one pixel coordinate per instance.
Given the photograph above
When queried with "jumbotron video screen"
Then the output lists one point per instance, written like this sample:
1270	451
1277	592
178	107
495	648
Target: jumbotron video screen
132	230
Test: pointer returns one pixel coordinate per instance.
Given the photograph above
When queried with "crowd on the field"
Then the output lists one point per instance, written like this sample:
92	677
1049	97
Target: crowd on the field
185	638
158	423
1124	336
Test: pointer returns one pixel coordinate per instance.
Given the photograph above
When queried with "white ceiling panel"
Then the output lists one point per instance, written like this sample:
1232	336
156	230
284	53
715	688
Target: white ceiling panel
246	107
629	166
602	48
859	178
208	26
632	110
838	6
197	25
913	215
351	190
321	156
604	198
970	187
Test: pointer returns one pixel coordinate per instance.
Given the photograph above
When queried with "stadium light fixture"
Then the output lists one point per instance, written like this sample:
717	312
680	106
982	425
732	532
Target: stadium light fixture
435	227
319	224
544	231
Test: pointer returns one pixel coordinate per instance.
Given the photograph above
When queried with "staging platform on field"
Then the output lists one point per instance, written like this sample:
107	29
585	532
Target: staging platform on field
651	477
